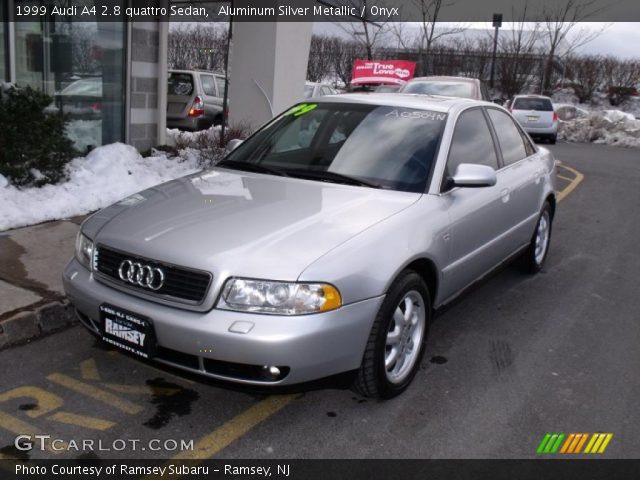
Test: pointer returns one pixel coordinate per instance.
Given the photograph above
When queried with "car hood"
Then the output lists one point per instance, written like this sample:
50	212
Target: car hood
242	224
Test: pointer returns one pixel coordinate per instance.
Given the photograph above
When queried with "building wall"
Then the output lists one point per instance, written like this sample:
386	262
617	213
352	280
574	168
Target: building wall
144	85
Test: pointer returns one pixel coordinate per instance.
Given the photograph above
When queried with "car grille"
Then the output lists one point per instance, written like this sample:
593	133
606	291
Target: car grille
180	283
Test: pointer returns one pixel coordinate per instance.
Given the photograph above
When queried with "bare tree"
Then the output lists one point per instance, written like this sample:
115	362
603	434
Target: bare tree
587	74
622	78
516	49
367	31
320	57
562	30
197	46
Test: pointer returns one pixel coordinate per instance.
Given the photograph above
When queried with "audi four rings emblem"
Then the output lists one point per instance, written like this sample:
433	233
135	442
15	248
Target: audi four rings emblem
142	275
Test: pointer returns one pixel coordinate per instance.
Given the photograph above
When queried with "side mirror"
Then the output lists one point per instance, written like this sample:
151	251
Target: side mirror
498	101
233	144
474	176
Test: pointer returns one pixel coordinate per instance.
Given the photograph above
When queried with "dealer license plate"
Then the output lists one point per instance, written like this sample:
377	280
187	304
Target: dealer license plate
127	330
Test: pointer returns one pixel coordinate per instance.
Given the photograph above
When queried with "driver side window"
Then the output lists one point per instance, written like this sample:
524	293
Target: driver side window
471	143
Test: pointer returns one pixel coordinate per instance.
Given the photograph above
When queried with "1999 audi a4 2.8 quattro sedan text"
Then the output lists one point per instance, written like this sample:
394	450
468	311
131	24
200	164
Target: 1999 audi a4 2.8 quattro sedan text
322	244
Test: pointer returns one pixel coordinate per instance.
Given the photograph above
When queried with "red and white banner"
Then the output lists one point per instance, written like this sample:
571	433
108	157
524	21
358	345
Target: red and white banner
390	72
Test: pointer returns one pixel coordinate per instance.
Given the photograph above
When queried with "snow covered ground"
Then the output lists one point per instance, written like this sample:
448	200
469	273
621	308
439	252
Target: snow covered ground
103	177
598	122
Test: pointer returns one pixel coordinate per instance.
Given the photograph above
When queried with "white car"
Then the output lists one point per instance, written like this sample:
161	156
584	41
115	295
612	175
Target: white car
536	115
314	89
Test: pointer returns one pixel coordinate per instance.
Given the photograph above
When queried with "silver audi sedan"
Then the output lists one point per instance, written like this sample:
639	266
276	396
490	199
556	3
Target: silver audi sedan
320	245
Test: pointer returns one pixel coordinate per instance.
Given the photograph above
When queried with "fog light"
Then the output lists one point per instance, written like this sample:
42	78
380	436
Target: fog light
272	373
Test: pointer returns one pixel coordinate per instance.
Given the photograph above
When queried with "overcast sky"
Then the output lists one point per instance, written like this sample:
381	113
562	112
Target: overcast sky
619	39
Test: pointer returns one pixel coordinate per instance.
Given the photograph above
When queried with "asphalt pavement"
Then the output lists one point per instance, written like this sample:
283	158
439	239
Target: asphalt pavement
518	357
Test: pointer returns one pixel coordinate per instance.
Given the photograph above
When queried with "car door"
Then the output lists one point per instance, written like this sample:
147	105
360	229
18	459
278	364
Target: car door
212	102
521	174
181	91
478	222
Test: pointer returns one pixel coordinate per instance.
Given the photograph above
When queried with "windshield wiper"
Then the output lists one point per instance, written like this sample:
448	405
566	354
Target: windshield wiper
251	167
327	176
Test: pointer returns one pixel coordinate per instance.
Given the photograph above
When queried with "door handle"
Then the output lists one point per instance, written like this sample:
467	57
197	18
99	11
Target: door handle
504	194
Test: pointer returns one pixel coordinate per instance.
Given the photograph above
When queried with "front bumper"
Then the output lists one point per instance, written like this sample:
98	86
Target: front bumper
309	346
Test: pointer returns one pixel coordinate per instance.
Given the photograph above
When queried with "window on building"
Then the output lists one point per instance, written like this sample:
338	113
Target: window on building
82	66
4	70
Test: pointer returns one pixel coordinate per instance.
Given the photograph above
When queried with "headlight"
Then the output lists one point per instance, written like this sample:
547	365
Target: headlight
280	298
84	250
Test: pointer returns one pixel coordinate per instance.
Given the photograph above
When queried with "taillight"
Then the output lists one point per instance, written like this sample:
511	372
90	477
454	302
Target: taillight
197	107
555	116
96	107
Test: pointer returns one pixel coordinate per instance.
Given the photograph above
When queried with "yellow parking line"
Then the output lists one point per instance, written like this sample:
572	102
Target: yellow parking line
82	421
565	178
235	428
238	426
95	393
574	183
143	390
89	370
19	427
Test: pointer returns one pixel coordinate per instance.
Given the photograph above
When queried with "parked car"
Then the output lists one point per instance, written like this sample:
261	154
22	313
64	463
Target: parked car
82	99
327	240
463	87
387	88
567	112
536	115
316	89
194	99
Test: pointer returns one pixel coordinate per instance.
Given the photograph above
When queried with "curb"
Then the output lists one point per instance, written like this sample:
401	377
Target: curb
26	326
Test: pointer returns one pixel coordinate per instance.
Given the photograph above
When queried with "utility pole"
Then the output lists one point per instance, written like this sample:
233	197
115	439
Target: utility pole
497	23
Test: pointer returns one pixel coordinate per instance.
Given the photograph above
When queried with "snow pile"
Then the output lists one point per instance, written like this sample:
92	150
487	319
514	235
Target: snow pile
178	138
609	127
103	177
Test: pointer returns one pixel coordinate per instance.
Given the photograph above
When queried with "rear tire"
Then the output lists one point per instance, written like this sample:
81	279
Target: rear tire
553	139
397	340
536	254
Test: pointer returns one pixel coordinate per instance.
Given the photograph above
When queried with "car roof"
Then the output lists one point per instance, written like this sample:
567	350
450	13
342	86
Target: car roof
171	70
531	96
409	100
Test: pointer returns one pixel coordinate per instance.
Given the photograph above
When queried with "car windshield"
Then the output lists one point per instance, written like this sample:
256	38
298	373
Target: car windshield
88	87
382	146
448	89
539	104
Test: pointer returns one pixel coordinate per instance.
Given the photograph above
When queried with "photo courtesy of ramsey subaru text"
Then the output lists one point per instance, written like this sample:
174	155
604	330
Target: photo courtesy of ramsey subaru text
320	245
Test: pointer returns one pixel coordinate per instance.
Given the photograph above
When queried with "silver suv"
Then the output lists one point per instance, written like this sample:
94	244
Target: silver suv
320	245
194	99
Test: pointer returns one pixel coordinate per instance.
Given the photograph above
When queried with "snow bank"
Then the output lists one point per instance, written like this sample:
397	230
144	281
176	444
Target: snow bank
608	127
103	177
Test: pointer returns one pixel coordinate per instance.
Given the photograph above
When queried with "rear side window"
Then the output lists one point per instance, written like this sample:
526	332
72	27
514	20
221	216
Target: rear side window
472	142
208	85
538	104
220	83
509	138
180	84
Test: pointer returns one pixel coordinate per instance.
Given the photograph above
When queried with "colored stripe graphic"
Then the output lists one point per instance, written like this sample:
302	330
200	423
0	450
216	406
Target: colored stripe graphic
572	443
598	442
550	443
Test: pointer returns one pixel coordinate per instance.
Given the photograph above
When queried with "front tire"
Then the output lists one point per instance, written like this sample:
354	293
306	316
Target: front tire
536	253
397	340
